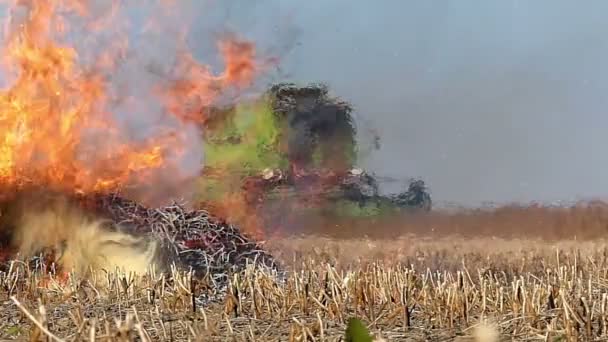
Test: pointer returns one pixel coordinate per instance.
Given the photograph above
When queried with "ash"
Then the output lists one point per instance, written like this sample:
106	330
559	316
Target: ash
192	239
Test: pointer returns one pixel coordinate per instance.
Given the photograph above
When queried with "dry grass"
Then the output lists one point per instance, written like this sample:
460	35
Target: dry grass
586	220
405	287
550	291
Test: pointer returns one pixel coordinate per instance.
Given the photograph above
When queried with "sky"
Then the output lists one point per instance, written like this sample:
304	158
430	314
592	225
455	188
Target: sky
487	101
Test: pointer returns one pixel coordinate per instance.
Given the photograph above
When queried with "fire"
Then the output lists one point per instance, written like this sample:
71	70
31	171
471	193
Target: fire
58	118
189	97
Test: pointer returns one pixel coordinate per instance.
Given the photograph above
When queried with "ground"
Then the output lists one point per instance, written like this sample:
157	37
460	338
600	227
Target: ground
545	278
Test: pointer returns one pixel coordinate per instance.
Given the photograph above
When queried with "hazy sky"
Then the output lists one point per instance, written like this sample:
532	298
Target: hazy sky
485	100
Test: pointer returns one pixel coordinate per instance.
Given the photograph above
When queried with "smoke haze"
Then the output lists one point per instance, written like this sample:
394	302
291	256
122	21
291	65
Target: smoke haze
485	100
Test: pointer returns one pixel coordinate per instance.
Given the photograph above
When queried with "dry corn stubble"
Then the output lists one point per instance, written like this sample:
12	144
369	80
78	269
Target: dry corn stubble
455	289
408	287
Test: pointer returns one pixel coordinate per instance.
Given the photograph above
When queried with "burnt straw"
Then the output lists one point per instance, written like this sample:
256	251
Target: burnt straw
193	239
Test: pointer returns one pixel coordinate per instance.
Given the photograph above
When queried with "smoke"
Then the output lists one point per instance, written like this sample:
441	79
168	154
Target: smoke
135	84
485	101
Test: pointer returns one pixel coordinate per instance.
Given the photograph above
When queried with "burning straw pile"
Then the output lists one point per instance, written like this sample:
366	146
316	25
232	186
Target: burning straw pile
194	239
191	240
84	118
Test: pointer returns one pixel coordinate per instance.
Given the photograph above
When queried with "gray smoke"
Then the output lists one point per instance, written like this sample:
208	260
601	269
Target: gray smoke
485	100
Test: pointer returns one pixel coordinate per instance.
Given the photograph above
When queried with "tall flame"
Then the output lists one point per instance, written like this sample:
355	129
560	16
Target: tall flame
59	122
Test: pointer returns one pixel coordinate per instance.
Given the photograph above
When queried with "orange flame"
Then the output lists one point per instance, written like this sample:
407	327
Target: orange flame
188	97
57	125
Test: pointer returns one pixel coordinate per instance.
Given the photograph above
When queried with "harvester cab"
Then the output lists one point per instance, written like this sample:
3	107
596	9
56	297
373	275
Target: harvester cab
301	143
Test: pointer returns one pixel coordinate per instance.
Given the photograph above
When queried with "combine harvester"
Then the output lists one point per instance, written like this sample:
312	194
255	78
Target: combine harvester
296	148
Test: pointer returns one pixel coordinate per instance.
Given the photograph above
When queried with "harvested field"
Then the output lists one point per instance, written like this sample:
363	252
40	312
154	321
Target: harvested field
407	287
585	220
132	97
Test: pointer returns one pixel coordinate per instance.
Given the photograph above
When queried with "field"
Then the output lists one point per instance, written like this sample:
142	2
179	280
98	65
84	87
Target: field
521	273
